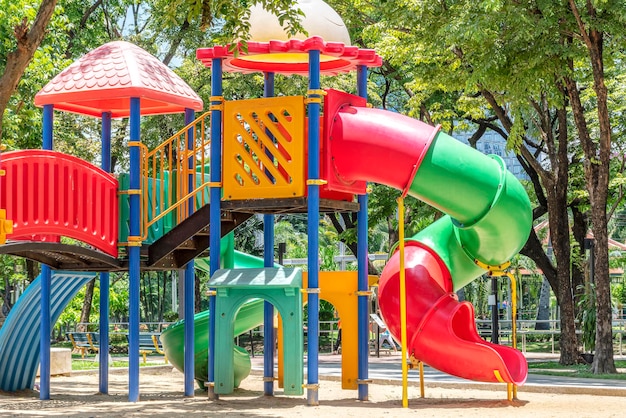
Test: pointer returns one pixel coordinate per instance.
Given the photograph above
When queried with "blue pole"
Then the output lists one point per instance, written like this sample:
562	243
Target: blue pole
47	126
215	210
363	282
104	276
189	273
44	334
104	333
46	278
134	247
268	257
106	142
313	213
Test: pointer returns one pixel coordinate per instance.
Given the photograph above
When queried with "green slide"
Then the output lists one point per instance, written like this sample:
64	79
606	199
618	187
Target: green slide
250	316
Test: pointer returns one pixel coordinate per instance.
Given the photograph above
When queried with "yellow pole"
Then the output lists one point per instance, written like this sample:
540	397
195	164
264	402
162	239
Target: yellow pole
513	318
6	225
405	371
422	379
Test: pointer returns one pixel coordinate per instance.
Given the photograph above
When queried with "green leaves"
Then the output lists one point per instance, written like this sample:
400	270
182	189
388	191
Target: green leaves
228	20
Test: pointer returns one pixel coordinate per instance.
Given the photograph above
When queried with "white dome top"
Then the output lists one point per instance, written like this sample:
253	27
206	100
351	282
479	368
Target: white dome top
319	20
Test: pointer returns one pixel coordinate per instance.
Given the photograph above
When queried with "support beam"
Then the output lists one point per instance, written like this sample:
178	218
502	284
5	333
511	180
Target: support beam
313	213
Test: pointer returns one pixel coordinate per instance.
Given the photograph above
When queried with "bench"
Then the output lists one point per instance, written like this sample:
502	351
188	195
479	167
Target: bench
156	340
94	341
149	343
83	341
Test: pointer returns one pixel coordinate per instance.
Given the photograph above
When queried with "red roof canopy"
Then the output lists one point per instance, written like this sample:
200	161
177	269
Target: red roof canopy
290	57
106	78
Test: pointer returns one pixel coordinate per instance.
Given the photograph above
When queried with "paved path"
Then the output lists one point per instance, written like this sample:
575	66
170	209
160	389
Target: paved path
388	367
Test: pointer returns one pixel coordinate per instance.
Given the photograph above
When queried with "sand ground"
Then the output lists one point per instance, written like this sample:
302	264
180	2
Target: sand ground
162	388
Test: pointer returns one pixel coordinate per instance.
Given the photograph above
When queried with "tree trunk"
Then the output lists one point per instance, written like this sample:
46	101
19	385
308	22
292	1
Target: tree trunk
349	222
543	309
142	295
597	151
580	227
32	270
6	305
603	361
149	306
86	311
393	232
560	238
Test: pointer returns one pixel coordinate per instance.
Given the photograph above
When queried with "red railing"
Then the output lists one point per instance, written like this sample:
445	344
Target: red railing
49	194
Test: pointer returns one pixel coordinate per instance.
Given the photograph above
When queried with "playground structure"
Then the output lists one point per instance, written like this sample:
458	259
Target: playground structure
298	154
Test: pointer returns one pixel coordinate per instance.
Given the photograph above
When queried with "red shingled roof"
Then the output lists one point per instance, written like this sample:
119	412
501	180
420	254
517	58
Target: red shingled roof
105	79
291	57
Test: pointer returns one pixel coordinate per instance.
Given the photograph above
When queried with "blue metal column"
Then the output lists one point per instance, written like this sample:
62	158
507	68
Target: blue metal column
215	197
362	262
268	257
46	278
189	269
313	213
104	276
134	246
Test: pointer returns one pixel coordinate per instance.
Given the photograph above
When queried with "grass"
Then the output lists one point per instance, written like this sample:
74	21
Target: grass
553	368
538	346
91	363
545	346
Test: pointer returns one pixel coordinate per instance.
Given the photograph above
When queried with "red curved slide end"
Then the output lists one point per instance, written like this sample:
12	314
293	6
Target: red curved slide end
441	331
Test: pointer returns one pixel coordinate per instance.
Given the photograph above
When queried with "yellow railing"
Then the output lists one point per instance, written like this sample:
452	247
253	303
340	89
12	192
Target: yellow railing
173	176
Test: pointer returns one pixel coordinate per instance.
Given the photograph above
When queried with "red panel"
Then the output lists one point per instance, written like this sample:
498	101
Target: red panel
49	194
334	101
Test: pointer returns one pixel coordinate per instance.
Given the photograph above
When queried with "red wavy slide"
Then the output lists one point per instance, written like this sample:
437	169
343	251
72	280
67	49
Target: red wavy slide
441	330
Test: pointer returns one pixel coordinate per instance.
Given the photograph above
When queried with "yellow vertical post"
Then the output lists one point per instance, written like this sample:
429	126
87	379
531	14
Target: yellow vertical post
405	398
513	320
6	225
421	363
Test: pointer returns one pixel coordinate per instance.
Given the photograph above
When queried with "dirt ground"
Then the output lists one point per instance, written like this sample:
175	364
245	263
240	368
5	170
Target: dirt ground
162	389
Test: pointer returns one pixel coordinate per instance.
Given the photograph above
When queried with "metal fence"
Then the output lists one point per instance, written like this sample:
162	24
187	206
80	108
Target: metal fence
526	329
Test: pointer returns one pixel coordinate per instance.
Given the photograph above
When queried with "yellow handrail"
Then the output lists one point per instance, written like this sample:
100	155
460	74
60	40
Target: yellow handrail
403	331
166	172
